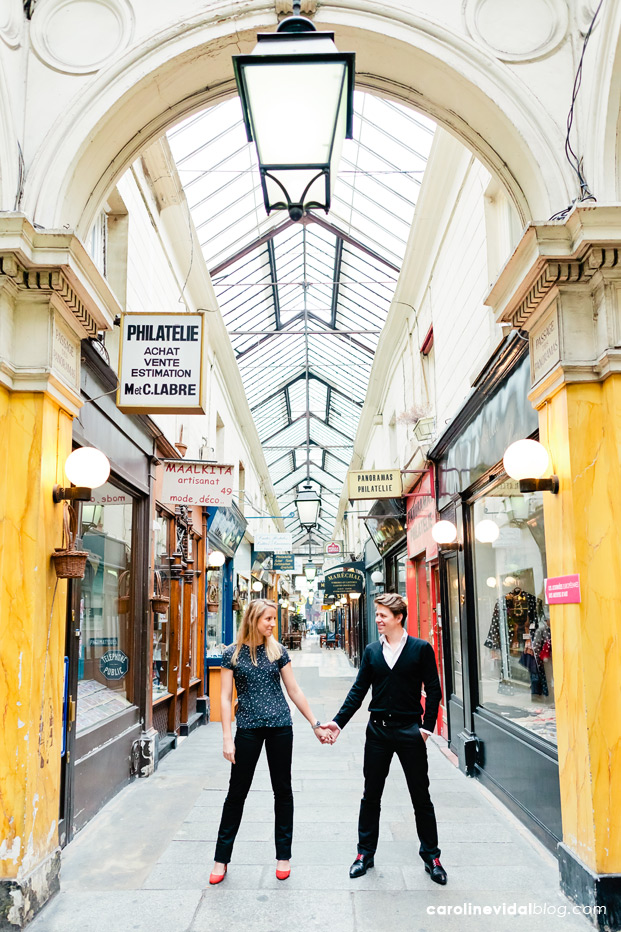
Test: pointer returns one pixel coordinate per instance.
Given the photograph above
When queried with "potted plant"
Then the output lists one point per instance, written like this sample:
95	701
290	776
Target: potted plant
69	562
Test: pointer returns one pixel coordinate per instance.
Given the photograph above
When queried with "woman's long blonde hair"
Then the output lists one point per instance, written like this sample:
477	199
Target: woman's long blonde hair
249	635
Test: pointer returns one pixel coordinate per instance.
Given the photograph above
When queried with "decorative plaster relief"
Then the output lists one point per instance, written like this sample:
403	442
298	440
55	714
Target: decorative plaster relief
522	31
11	22
80	36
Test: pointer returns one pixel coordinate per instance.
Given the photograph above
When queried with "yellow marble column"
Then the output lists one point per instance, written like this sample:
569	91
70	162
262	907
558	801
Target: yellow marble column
581	426
51	298
35	439
563	286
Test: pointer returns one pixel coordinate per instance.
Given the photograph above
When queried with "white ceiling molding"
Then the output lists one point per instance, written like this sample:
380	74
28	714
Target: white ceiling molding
81	36
11	22
518	32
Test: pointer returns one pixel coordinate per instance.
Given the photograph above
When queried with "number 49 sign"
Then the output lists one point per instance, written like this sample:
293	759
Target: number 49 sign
194	482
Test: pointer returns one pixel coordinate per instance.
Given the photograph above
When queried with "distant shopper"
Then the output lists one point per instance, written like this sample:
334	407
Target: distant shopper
257	663
396	668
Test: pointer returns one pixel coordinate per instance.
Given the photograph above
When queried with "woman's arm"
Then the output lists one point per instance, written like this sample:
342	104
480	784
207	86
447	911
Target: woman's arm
299	699
226	699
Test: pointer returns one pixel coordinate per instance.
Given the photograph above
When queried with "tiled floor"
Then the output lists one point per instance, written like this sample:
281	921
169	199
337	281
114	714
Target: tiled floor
142	864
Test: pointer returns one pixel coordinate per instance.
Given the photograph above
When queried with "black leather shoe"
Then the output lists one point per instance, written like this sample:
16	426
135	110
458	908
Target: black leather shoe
361	865
436	871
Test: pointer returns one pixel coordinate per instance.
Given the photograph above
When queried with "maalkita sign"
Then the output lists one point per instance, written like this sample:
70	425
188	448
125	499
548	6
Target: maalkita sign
160	364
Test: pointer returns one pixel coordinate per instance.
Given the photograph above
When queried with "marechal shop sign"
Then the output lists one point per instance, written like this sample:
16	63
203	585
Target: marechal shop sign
194	482
161	364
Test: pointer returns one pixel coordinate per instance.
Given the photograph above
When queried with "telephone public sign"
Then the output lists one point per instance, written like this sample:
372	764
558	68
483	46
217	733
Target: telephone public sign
161	363
114	664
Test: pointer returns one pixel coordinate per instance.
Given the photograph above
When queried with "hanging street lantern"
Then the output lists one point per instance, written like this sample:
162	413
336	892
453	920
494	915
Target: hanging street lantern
310	570
297	94
307	503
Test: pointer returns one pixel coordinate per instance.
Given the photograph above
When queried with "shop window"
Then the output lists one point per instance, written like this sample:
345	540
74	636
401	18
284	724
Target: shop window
516	679
161	623
454	603
106	595
193	545
240	600
214	623
97	243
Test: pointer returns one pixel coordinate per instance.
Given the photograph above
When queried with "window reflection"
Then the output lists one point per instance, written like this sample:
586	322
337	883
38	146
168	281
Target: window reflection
516	677
106	608
162	531
452	579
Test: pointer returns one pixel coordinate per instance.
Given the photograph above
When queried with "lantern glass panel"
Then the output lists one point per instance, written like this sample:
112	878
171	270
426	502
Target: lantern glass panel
294	110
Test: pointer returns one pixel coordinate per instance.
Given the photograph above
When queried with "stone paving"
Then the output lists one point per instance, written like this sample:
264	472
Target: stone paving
142	864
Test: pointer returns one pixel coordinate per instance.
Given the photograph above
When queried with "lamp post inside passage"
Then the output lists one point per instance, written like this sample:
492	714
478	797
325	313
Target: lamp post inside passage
297	95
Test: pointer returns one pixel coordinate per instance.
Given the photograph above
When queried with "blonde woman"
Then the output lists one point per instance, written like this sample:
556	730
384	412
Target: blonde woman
256	664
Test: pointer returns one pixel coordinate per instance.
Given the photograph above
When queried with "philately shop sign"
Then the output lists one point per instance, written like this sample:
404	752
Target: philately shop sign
375	483
194	482
161	364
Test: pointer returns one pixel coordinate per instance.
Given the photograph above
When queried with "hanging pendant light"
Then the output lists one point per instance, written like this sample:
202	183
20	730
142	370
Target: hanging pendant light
297	95
307	503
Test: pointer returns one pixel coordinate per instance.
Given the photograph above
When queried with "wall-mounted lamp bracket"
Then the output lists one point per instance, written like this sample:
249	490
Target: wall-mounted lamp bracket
76	493
551	484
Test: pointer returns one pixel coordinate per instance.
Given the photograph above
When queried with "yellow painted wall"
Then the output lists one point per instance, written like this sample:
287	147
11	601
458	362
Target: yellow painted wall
35	439
581	426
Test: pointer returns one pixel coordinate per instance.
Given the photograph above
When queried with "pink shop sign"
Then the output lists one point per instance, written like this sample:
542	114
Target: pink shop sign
563	590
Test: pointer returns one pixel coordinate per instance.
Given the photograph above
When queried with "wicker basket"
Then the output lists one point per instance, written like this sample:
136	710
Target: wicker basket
70	564
123	599
159	601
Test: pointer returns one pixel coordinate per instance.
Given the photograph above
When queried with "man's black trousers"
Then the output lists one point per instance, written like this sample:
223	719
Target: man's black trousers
406	741
278	748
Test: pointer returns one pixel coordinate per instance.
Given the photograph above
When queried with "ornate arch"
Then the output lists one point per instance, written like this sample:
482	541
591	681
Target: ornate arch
400	54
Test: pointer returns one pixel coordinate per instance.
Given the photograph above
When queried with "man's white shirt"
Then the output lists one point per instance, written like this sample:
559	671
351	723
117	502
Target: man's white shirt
392	654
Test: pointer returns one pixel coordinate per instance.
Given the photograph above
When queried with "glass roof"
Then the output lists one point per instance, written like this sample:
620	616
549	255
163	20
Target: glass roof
304	303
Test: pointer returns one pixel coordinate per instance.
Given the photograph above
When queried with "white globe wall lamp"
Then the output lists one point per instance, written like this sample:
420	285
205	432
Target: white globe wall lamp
86	468
216	558
527	461
445	535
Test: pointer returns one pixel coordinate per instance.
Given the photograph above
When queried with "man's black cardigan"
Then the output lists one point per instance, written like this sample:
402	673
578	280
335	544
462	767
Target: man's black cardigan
396	691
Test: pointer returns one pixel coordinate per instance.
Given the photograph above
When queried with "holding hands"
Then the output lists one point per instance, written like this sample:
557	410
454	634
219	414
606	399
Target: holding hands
328	733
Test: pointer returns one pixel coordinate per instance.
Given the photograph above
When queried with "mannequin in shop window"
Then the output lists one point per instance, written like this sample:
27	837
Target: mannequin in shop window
518	632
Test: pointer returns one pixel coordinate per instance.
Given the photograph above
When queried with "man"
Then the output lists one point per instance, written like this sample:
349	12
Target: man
395	667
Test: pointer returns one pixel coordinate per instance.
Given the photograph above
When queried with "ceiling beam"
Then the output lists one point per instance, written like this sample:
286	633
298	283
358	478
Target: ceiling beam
255	244
338	257
271	254
350	240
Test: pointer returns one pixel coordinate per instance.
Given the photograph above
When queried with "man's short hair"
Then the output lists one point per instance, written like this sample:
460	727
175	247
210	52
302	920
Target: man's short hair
395	602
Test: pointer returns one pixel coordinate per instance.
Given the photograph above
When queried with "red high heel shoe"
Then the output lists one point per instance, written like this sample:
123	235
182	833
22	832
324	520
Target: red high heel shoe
282	875
218	878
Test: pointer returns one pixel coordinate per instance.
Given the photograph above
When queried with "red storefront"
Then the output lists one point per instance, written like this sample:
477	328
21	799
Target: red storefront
423	581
